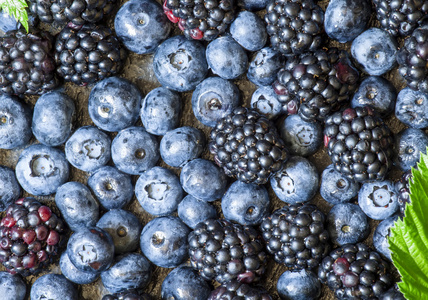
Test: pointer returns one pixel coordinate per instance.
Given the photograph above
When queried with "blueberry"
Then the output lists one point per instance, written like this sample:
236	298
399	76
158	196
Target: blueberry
164	241
52	118
53	286
347	224
141	25
376	92
226	58
114	104
296	182
181	145
409	143
180	64
266	102
298	285
264	66
301	137
378	199
130	271
252	210
12	287
159	191
183	283
249	30
411	108
381	234
41	169
253	5
344	20
15	122
88	149
375	50
7	22
77	205
193	211
73	274
336	188
134	150
160	111
9	187
203	180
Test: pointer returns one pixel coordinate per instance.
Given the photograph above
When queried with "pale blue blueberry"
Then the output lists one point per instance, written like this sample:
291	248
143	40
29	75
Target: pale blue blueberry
298	285
249	30
53	286
10	190
12	287
264	66
378	199
411	108
266	102
73	274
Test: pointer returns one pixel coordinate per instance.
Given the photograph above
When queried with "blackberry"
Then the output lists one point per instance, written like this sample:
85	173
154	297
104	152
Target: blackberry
87	54
127	295
296	236
247	146
30	236
239	291
354	271
316	83
402	189
224	251
201	19
26	63
294	26
359	144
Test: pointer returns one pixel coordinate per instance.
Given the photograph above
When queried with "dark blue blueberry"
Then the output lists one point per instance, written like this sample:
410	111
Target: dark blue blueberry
193	211
180	64
336	188
77	205
376	92
250	211
411	108
160	111
249	30
378	199
253	5
73	274
134	150
183	283
265	101
141	25
301	137
41	169
344	20
88	149
91	249
53	286
296	182
227	58
347	224
381	234
164	241
181	145
213	99
15	122
375	50
130	271
10	190
298	285
409	143
52	118
7	22
264	67
111	187
114	104
204	180
12	287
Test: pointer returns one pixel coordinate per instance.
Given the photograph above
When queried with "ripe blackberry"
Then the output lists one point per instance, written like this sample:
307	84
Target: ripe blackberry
88	54
247	146
359	144
127	295
239	291
403	190
354	271
201	19
224	251
30	235
26	63
296	236
294	26
316	83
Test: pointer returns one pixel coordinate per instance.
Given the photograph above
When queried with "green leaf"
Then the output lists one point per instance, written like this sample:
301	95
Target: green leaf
16	9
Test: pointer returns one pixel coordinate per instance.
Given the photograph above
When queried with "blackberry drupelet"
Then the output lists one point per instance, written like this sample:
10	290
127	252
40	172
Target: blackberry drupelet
359	144
402	189
247	146
26	63
354	271
87	54
201	19
294	26
239	291
224	251
316	83
296	236
127	295
30	236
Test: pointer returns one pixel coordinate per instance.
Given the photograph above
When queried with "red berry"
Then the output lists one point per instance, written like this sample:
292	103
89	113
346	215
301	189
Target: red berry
196	34
8	222
41	232
341	266
20	201
44	212
29	236
29	261
326	140
53	238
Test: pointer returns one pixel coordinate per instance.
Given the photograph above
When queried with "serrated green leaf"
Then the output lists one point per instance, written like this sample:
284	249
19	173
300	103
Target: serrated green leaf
16	9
